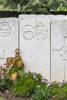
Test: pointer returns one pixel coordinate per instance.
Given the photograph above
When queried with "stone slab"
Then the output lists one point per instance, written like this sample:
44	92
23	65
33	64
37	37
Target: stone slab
59	49
35	44
8	37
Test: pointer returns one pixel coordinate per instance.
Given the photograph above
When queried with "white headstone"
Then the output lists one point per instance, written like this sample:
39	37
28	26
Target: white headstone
59	49
8	37
35	44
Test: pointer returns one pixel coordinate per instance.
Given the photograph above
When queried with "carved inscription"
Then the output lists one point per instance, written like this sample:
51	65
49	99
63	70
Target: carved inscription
63	50
5	29
28	32
39	31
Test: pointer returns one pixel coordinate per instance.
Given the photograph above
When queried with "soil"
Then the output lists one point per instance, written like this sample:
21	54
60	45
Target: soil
8	96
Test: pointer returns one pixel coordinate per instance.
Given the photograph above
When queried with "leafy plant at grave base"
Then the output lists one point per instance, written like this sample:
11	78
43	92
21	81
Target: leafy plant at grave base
11	71
5	84
54	92
61	94
15	66
41	94
26	85
53	87
59	91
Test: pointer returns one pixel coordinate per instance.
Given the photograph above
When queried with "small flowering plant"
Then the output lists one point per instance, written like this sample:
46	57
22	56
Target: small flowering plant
26	85
41	93
13	67
44	83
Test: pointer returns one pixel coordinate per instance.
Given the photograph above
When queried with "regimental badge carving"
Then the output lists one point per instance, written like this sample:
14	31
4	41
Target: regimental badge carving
5	29
38	31
28	32
41	31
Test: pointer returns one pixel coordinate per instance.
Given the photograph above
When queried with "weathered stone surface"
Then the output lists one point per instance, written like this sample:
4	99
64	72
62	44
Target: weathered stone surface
59	49
35	44
8	37
42	43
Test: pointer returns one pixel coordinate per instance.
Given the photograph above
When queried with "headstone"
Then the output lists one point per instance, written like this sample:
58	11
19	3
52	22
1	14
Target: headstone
35	44
8	37
59	49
